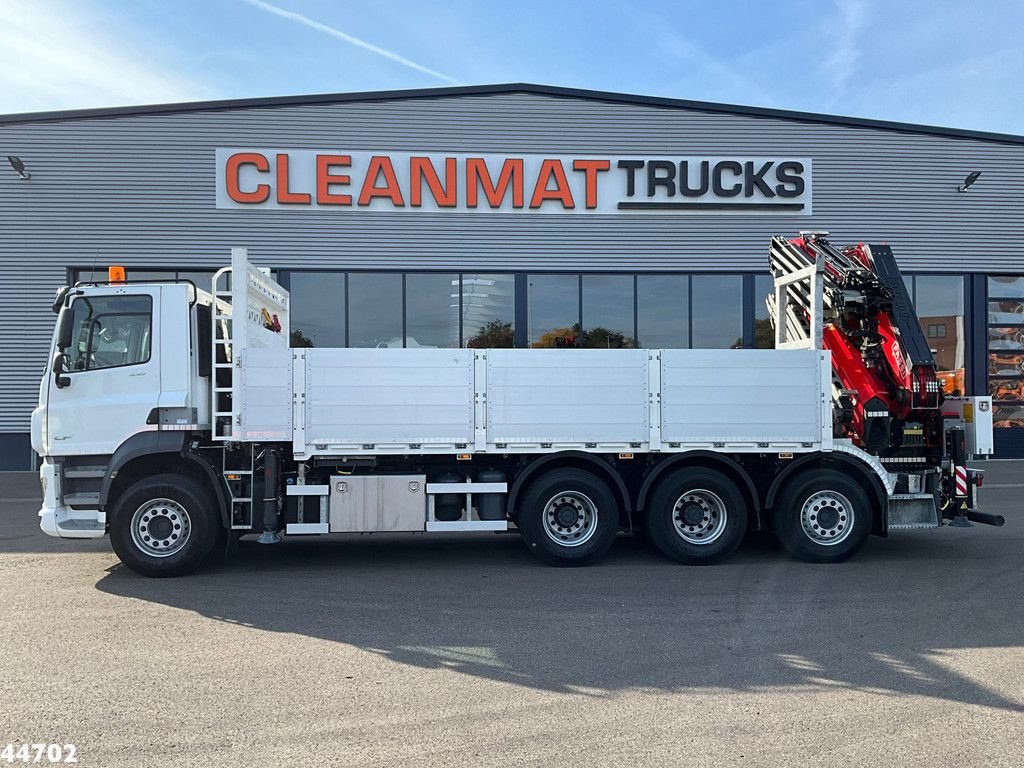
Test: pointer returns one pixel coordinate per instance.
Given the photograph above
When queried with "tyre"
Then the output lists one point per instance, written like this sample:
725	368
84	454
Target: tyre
568	517
697	516
822	516
165	525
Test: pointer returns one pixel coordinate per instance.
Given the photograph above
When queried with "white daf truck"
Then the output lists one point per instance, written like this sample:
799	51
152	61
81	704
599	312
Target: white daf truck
178	419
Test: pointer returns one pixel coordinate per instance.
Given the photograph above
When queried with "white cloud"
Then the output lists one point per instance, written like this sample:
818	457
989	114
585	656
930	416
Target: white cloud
842	62
52	58
345	37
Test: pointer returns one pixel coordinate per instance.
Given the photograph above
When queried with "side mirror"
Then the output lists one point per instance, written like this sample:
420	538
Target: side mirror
58	301
64	329
59	367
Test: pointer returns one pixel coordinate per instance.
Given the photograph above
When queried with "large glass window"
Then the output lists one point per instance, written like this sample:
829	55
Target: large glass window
488	311
1006	349
608	311
663	311
110	331
553	310
375	309
717	311
432	310
764	332
317	309
202	278
939	303
478	310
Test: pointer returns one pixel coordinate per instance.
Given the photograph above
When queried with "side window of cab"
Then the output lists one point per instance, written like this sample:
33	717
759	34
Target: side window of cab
110	332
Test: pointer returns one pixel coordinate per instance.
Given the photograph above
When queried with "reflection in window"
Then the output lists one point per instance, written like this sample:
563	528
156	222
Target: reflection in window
202	278
717	311
1006	338
317	309
109	332
1008	416
553	310
1006	349
1006	286
608	311
488	311
375	309
432	310
764	332
663	311
1006	311
939	301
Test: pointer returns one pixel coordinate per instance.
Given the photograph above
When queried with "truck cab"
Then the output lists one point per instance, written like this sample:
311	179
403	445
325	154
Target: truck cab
125	361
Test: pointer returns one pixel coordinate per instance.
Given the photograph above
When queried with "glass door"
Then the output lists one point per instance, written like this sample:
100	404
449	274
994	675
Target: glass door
1006	349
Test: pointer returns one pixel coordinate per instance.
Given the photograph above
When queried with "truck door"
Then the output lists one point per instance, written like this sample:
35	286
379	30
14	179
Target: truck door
111	372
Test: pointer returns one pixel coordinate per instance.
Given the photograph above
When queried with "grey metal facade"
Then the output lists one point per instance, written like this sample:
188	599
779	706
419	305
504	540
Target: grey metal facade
137	187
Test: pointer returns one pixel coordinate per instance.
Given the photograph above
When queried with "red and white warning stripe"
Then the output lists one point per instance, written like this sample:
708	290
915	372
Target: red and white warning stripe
960	474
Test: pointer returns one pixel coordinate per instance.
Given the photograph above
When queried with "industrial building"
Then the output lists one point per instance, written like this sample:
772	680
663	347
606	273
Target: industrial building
509	215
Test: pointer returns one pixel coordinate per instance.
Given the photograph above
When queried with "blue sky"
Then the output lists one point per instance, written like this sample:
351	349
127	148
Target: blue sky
941	62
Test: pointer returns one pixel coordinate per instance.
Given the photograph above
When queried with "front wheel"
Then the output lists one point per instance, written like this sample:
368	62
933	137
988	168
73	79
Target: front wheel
697	516
165	525
568	517
822	517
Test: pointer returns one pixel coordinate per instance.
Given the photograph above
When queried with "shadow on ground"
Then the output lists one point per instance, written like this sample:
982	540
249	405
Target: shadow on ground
895	620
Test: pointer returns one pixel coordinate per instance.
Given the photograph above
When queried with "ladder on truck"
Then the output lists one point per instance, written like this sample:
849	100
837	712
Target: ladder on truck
243	297
223	379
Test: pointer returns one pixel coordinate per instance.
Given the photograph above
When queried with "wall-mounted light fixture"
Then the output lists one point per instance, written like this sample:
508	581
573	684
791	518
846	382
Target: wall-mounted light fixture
19	167
971	178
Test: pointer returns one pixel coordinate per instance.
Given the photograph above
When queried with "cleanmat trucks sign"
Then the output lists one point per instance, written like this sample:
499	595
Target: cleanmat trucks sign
339	180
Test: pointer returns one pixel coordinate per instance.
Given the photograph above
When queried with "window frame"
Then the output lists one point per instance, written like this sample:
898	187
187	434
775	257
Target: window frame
149	315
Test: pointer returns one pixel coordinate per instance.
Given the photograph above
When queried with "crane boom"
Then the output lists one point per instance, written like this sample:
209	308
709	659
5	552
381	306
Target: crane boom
886	395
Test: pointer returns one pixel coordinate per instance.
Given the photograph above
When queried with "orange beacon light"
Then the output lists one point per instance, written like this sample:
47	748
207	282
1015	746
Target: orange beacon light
115	274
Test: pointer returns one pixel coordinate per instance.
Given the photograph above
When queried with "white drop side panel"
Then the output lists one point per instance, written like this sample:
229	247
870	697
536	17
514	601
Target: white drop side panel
382	397
567	397
266	380
740	398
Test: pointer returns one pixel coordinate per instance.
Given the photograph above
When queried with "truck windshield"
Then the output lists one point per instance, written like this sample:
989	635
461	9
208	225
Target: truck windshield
110	331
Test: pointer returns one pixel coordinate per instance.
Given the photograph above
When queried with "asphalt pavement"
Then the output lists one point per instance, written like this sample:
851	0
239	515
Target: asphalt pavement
423	650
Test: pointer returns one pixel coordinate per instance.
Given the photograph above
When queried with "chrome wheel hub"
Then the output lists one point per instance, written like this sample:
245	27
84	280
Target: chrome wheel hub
827	518
570	518
161	527
699	516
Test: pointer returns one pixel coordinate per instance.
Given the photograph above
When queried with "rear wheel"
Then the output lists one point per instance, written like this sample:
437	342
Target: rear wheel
166	525
696	516
568	517
822	516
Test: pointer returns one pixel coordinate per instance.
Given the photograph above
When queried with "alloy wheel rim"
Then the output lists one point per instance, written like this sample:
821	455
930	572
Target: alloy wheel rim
699	516
161	527
827	518
570	518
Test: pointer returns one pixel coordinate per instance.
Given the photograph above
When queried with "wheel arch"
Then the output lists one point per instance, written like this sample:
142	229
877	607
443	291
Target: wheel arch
865	475
579	460
151	453
707	460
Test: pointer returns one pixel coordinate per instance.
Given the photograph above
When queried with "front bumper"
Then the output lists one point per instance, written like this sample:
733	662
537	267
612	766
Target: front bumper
61	521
